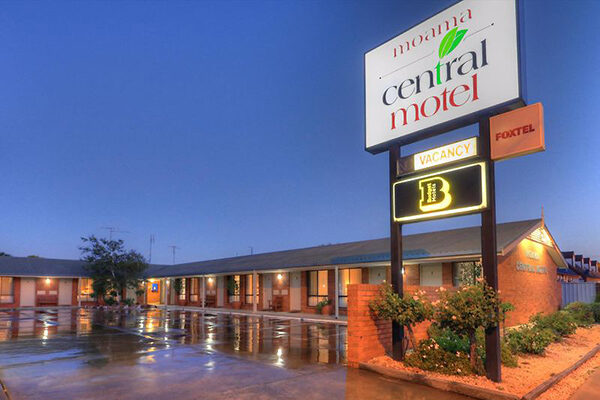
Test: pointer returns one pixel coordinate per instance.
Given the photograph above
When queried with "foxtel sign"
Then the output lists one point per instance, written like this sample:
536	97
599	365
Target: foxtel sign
447	72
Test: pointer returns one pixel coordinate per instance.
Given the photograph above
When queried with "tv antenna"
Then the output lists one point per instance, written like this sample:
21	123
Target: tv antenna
152	240
113	229
174	248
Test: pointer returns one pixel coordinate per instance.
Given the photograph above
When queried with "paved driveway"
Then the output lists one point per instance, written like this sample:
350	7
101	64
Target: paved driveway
157	354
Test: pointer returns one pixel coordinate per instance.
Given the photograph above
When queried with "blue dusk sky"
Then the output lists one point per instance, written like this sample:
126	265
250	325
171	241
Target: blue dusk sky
221	126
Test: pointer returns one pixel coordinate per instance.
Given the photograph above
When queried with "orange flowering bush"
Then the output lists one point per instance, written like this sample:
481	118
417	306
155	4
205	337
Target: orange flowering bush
408	310
466	310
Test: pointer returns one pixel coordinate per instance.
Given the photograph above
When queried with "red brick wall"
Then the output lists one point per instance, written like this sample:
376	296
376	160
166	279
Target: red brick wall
365	275
412	275
367	338
529	292
447	274
74	288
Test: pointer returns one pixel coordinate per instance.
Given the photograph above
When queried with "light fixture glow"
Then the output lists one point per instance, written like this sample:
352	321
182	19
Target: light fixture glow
210	280
279	277
47	281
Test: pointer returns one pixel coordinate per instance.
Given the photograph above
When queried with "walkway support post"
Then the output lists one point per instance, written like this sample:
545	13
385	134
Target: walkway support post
396	255
203	291
489	258
337	292
254	291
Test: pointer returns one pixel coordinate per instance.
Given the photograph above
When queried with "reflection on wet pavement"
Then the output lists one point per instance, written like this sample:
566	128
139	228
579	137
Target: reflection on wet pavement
93	354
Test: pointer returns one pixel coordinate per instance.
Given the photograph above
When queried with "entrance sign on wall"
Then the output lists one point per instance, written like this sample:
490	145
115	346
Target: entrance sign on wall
443	73
445	193
517	133
445	154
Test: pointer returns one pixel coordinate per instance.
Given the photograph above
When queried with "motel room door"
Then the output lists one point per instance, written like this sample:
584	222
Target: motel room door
295	291
431	275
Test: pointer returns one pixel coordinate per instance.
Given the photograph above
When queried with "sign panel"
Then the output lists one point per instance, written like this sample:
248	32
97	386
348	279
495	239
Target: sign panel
517	133
443	73
445	154
445	193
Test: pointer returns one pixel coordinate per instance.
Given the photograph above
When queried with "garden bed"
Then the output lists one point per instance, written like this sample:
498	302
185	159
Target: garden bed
532	371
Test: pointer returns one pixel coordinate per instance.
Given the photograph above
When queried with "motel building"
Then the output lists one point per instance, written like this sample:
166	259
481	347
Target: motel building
295	281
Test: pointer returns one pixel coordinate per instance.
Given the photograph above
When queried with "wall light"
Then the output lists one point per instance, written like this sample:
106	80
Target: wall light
279	277
47	281
210	279
403	270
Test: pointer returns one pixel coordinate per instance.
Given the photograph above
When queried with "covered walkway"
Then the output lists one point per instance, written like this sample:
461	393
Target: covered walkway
342	320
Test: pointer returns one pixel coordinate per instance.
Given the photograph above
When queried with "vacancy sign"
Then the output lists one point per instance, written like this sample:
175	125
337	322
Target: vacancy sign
445	154
443	73
517	133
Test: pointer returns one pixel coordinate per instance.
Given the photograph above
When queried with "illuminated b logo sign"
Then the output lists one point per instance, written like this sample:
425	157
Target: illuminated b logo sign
435	194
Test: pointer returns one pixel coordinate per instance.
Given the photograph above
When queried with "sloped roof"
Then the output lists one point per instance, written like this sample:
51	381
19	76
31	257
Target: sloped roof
37	266
441	244
455	242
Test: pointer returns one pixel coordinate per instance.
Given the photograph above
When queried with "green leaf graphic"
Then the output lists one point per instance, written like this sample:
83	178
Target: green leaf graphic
447	42
450	41
459	35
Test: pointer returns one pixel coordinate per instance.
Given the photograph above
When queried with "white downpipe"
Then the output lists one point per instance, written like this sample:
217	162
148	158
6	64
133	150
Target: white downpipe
337	294
254	291
203	291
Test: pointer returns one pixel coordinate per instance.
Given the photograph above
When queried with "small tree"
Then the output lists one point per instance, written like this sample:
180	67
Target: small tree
468	309
112	267
407	311
177	286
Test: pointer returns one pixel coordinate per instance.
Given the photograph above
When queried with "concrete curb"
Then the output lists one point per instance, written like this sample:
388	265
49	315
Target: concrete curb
475	391
441	384
538	390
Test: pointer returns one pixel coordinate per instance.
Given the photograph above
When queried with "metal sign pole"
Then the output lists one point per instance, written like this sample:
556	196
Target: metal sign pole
489	258
396	256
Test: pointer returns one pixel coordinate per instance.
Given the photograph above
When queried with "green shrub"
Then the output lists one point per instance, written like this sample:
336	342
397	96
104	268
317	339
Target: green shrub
596	310
529	339
562	323
110	301
448	340
598	297
467	310
430	356
128	302
508	356
582	312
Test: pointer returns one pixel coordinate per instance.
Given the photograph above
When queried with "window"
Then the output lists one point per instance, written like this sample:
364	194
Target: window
86	289
194	290
6	290
347	277
465	273
234	288
317	287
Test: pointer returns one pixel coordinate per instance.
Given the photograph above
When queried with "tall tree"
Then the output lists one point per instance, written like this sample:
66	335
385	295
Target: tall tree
112	267
3	254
